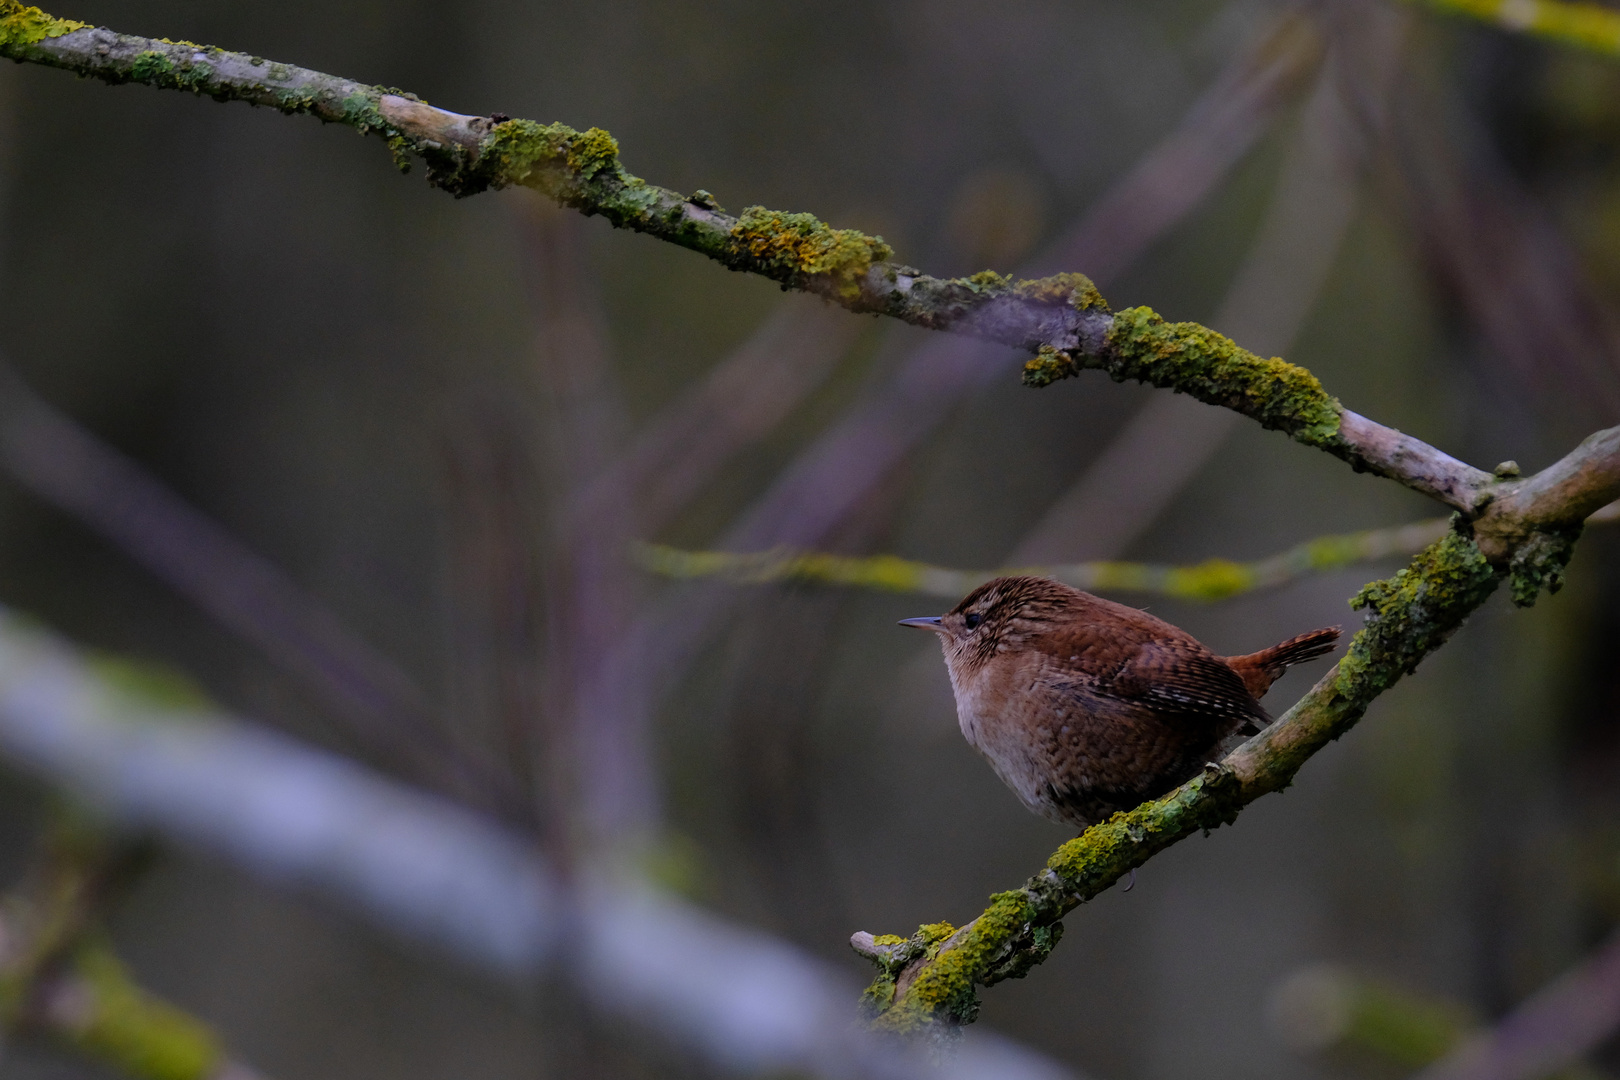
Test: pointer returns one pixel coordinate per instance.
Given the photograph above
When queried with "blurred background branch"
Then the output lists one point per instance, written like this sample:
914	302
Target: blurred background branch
1328	1009
66	465
1554	1029
1211	580
60	978
428	869
1592	27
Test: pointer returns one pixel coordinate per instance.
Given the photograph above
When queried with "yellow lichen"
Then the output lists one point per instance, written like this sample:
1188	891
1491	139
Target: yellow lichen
802	250
1074	289
23	25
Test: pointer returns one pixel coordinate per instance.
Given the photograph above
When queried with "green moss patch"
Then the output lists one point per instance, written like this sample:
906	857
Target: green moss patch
1195	360
158	69
553	158
1411	614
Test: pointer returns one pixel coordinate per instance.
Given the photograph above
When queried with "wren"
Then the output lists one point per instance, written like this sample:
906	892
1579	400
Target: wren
1085	707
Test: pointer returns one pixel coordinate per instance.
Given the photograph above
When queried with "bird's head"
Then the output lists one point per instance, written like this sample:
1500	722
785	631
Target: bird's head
998	615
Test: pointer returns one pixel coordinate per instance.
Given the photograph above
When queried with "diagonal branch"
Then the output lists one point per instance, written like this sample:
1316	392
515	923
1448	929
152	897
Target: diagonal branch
927	982
1557	1026
1062	319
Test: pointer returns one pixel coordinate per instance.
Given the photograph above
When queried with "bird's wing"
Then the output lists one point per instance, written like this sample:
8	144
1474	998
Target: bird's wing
1179	677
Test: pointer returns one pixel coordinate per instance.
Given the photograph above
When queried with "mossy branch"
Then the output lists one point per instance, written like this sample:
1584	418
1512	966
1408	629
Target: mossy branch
1061	320
927	983
1590	27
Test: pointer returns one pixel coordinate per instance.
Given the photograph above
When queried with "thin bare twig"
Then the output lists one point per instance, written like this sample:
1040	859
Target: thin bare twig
495	565
596	691
738	403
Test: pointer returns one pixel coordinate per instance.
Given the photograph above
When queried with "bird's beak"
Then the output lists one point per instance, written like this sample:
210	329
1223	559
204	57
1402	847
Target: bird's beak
931	622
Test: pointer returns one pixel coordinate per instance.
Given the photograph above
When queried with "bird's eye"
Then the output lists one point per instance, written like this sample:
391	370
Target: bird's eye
972	619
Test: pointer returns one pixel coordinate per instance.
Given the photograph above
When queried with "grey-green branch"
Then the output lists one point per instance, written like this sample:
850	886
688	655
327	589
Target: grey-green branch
1507	528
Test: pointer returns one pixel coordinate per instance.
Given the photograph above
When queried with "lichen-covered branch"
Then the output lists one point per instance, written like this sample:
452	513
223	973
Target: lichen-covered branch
1592	27
1061	320
927	982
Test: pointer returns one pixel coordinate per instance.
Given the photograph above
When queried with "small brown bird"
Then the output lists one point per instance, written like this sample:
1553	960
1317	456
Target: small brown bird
1083	706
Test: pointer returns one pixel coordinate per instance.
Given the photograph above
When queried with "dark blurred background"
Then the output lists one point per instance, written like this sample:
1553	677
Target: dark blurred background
399	400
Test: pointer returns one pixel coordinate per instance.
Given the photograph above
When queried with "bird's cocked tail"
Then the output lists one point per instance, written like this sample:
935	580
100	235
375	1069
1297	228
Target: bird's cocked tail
1259	670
